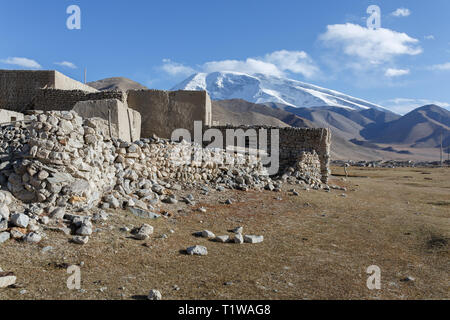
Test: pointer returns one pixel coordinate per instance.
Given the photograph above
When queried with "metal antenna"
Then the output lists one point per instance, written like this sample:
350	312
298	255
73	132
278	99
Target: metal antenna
442	163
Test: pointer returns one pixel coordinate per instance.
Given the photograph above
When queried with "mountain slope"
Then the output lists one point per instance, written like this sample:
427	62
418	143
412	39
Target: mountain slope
117	83
261	88
241	106
223	116
420	128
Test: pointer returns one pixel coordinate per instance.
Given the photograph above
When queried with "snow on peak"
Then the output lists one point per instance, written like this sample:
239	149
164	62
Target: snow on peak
260	88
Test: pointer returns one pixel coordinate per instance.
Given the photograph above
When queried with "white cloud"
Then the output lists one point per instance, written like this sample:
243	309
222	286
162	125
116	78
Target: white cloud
22	62
429	37
250	66
369	46
405	105
441	67
175	69
66	64
401	12
277	63
293	61
396	72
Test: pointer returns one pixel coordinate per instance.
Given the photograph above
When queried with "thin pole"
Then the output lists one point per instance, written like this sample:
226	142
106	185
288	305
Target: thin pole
85	73
442	162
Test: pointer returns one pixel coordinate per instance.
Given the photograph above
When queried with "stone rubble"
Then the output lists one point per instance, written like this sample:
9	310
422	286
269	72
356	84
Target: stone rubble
59	172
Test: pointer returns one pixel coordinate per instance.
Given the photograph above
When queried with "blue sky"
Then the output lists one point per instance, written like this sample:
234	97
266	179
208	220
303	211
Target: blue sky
402	65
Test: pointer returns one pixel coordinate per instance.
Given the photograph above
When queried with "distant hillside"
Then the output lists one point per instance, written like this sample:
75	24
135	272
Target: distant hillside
224	115
239	106
345	123
421	128
117	83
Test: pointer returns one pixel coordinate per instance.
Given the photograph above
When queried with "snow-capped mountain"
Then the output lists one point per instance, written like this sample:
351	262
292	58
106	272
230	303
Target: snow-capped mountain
261	88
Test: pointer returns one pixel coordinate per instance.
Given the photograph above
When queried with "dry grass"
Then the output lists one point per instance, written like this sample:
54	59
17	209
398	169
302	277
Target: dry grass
317	246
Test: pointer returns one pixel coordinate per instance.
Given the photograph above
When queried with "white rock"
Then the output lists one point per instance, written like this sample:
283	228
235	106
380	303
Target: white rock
84	230
4	211
7	280
208	234
154	295
238	238
33	238
44	220
58	213
222	239
3	225
80	240
20	220
4	236
253	239
238	230
144	232
197	250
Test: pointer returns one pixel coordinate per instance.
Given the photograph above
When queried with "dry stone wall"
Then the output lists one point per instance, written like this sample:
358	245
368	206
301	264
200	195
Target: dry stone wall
293	144
60	159
65	100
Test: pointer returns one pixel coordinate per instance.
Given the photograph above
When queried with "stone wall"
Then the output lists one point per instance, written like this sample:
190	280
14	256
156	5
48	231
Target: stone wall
293	143
164	111
125	122
18	87
10	116
59	158
65	100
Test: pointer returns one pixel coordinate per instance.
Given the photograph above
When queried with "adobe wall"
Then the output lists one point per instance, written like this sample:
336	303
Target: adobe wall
65	100
164	111
293	142
18	87
65	83
126	121
7	116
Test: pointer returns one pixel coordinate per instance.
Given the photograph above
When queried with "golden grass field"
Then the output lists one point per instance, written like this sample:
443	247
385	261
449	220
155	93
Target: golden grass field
317	246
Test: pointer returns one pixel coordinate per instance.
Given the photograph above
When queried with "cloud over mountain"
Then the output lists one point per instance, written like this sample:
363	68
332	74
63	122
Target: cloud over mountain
371	46
278	63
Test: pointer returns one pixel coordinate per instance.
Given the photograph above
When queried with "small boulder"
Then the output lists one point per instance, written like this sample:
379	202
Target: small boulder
4	236
80	239
238	238
154	295
7	279
143	232
222	239
208	234
20	220
253	239
197	250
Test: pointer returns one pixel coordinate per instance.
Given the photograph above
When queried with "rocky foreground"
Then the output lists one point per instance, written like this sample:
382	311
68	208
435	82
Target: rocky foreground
60	172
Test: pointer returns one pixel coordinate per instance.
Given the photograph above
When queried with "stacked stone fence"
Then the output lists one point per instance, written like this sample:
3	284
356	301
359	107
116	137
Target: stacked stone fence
293	143
65	100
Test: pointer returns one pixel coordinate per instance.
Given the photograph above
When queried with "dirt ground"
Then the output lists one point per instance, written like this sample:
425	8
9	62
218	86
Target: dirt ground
317	245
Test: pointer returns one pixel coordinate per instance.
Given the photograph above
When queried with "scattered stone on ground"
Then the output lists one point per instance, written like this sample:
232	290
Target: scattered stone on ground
197	250
154	295
253	239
